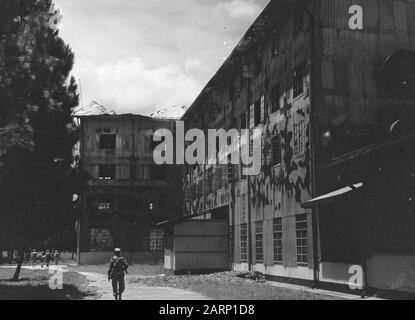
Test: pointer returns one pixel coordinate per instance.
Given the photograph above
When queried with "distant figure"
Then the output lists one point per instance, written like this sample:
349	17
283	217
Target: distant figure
57	257
48	258
116	273
34	256
42	258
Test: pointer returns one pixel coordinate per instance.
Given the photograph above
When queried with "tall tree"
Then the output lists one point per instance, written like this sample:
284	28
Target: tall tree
37	133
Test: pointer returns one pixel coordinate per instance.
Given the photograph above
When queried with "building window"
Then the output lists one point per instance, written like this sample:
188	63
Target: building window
302	239
232	243
259	242
107	141
299	138
156	240
244	242
257	113
243	121
275	46
105	202
106	172
298	80
276	96
276	150
277	238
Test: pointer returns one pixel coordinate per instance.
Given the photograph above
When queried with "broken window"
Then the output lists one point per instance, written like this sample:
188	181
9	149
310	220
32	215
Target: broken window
298	80
257	113
107	172
276	96
276	150
275	46
301	229
107	141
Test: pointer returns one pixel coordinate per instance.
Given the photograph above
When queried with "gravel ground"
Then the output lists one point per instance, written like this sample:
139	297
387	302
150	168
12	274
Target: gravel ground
230	286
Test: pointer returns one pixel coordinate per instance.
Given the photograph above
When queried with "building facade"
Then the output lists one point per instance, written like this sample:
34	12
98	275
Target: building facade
127	193
329	83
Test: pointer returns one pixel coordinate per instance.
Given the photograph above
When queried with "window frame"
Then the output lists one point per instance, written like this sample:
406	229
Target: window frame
156	240
277	239
299	74
301	235
276	161
244	243
259	242
109	145
299	137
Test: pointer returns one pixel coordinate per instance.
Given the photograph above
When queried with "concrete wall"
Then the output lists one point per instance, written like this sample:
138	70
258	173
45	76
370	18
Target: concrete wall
98	258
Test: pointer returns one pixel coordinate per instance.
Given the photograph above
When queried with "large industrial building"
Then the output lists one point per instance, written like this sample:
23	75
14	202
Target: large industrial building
331	85
126	193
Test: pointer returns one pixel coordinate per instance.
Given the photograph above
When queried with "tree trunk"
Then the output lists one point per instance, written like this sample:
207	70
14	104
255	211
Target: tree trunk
19	265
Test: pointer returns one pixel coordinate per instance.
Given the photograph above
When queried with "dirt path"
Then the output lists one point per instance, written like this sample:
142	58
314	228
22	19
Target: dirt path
134	291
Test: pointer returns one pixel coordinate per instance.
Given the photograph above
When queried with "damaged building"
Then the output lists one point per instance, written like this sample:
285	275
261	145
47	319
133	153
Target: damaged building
335	103
126	193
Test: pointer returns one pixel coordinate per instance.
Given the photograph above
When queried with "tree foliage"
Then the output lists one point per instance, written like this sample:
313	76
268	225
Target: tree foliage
37	132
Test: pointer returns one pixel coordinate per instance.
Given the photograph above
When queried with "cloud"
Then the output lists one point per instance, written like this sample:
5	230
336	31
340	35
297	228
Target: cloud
129	86
239	9
194	65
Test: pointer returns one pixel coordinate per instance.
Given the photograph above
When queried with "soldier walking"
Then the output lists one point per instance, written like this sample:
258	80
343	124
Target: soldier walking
116	273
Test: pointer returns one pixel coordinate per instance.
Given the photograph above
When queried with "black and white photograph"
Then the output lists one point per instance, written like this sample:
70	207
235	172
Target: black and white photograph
207	155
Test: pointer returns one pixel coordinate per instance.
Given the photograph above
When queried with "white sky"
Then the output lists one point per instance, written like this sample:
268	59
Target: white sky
140	55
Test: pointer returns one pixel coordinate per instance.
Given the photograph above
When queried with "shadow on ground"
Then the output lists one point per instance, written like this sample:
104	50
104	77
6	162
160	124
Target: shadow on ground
34	285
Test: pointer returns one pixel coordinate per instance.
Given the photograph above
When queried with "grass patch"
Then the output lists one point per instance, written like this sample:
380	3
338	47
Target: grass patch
227	286
34	285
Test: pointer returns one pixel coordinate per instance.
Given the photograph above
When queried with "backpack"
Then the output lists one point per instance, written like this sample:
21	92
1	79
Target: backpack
118	266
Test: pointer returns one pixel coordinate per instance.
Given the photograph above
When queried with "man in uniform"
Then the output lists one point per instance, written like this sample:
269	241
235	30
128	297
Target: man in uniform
118	269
